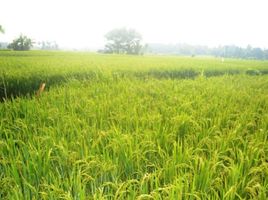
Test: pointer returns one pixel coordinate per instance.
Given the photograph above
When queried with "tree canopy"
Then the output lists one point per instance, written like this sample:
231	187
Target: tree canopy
123	41
22	43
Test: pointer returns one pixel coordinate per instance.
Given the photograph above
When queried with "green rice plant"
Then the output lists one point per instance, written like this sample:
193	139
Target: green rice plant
22	72
253	72
126	127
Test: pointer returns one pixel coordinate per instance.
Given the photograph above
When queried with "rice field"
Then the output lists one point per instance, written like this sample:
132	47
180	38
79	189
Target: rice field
132	127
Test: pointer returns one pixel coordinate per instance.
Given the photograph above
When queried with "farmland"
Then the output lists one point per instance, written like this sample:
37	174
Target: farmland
132	127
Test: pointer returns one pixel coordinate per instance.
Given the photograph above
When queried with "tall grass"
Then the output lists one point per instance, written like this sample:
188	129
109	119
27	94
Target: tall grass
22	72
128	137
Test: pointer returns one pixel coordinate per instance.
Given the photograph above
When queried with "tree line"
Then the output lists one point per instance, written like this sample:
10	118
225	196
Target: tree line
129	41
228	51
24	43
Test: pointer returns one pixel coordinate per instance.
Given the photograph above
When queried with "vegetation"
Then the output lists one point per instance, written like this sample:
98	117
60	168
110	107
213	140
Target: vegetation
21	73
47	45
227	51
125	127
123	41
22	43
2	29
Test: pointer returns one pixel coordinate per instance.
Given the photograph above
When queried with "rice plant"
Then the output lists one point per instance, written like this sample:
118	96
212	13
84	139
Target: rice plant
112	130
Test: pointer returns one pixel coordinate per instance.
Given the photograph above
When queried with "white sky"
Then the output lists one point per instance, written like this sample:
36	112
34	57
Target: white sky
83	23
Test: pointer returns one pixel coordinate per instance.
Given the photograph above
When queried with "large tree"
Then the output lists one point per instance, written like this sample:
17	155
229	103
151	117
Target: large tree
22	43
125	41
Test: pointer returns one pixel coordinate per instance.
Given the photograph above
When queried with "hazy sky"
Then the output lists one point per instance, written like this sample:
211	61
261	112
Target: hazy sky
83	23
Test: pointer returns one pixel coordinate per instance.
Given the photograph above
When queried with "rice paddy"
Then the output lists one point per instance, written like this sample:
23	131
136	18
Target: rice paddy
132	127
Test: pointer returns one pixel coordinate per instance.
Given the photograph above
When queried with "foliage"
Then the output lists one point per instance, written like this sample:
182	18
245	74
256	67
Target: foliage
123	41
1	31
22	71
228	51
48	45
129	133
253	72
22	43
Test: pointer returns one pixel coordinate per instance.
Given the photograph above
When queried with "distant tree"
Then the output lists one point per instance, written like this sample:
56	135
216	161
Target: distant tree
48	45
228	51
125	41
257	53
265	54
2	29
22	43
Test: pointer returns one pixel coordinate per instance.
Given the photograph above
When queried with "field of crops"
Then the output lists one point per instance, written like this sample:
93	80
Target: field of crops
132	127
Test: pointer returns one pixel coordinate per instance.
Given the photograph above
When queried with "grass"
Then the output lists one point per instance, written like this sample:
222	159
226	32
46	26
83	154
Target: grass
144	132
22	72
